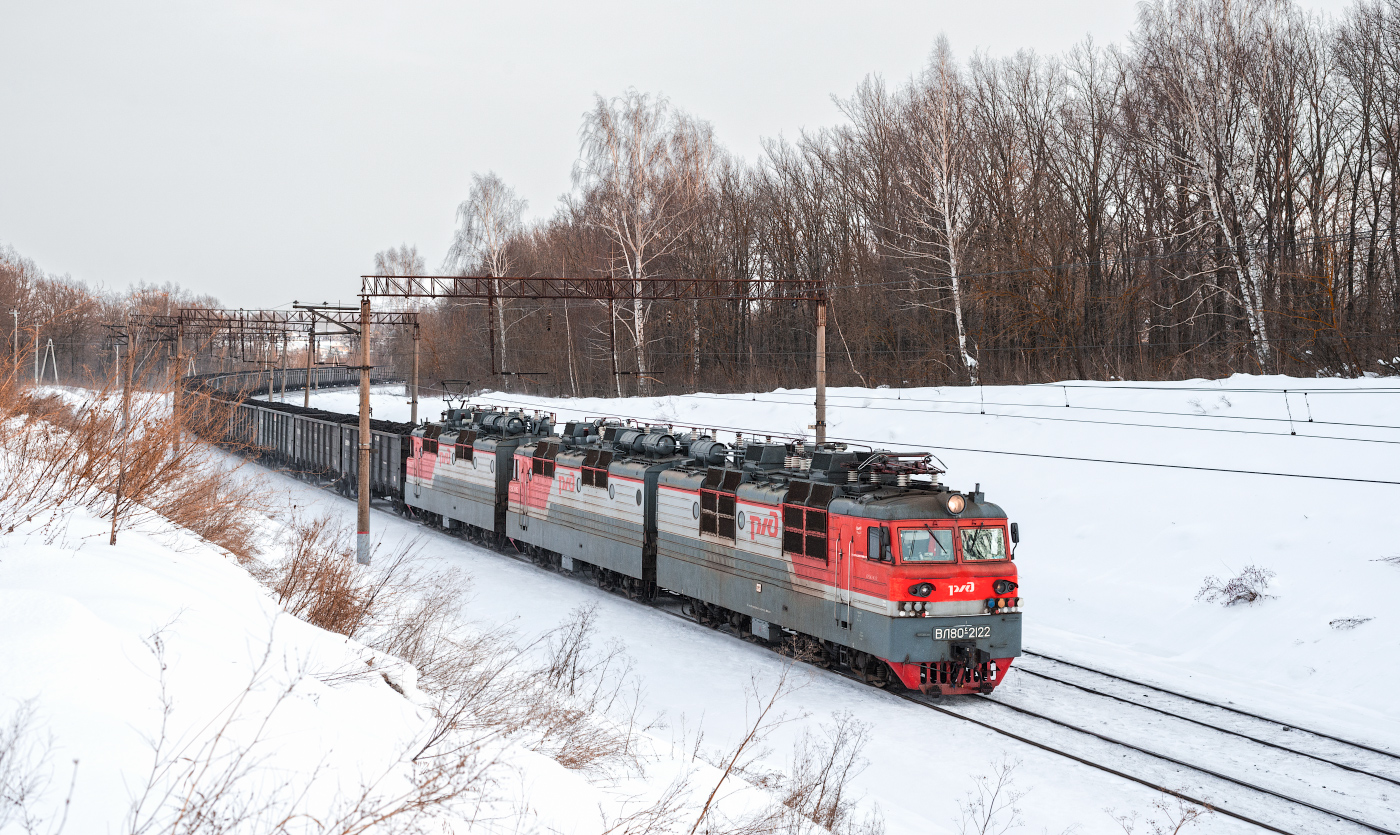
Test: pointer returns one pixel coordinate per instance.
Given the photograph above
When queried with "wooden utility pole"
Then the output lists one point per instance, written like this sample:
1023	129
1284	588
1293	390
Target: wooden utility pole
366	445
820	426
413	383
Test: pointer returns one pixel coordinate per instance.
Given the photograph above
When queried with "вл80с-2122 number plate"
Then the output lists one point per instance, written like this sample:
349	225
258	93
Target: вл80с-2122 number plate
961	633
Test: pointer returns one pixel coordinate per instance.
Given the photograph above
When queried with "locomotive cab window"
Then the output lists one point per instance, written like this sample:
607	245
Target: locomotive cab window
877	545
980	544
925	545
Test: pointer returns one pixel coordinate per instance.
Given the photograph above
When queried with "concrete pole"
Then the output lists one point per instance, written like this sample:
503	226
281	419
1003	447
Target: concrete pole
284	366
310	358
36	356
362	529
821	372
175	384
413	382
126	424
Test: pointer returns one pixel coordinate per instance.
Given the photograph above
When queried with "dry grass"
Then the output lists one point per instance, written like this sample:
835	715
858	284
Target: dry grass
56	455
216	784
1248	587
560	695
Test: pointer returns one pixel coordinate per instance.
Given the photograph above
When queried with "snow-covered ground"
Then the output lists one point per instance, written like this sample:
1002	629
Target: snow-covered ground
1112	558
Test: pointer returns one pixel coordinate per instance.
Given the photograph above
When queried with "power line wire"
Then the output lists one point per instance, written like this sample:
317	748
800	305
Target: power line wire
869	442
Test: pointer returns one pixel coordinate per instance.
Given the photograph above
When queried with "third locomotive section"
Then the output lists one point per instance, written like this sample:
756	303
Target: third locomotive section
861	558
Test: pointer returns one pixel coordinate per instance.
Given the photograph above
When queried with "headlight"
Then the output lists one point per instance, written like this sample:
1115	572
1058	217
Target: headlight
956	503
921	589
1003	586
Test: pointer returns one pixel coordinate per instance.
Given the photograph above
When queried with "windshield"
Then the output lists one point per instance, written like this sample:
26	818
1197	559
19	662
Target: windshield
926	545
983	544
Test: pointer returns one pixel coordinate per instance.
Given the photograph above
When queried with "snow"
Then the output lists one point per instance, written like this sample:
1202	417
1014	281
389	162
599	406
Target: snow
80	622
144	661
1111	560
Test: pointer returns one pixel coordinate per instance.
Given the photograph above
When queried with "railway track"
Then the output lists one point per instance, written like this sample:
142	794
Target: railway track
1273	808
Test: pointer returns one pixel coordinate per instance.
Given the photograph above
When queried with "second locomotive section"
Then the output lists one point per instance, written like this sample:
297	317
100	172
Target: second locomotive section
861	558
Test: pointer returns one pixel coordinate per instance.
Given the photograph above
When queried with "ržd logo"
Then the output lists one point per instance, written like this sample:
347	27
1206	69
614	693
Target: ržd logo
966	587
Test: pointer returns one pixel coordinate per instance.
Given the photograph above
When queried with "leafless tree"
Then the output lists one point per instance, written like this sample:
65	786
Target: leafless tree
643	166
486	221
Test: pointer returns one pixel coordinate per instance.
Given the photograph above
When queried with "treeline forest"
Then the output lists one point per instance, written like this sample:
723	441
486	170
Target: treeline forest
65	331
1219	194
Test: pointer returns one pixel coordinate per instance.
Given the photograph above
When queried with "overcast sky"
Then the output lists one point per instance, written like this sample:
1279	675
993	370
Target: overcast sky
264	151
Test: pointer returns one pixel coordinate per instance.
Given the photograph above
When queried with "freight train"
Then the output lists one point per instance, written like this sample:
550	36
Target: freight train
848	556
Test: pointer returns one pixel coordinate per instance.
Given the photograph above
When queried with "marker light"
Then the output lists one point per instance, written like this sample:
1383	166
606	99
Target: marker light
956	503
1001	603
991	603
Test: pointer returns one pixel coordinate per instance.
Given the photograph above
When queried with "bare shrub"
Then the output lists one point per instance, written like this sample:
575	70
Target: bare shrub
556	696
318	581
1248	587
214	784
1348	623
24	775
1169	817
56	455
817	787
990	808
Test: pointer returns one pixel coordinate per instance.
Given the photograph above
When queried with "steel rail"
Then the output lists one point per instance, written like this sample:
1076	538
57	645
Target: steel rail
1130	746
1278	722
1022	668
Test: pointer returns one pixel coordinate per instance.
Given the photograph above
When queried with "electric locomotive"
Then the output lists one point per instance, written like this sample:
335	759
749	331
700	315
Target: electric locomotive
856	557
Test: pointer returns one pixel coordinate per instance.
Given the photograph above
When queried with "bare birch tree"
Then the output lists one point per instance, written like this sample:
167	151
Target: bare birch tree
643	166
939	208
1214	64
486	222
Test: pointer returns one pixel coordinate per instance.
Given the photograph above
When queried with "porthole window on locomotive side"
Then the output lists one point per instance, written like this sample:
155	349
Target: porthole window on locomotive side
742	520
639	498
612	491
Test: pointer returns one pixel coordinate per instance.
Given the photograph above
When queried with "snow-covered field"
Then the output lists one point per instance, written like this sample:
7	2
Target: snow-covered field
1112	558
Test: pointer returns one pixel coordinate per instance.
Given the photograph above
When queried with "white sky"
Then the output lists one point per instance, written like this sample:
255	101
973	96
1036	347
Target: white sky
264	151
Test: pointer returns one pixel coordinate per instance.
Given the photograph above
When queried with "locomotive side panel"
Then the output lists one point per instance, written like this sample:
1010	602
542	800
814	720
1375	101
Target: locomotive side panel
747	575
599	525
455	488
